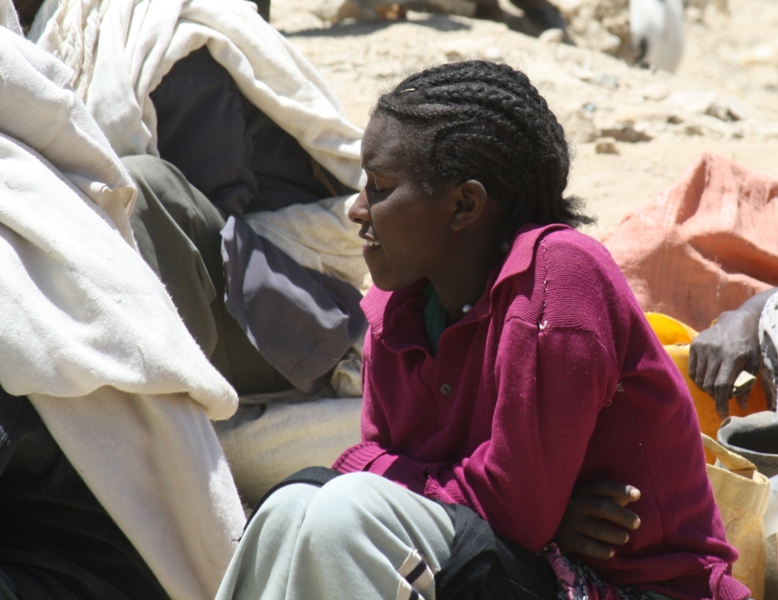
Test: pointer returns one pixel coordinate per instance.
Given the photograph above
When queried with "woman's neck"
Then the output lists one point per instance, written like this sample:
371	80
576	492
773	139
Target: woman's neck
460	288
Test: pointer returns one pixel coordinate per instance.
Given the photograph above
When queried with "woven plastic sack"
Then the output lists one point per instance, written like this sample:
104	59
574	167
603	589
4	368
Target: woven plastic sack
741	493
704	245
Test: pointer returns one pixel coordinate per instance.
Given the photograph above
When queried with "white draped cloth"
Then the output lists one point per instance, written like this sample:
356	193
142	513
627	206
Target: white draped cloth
121	49
91	337
768	345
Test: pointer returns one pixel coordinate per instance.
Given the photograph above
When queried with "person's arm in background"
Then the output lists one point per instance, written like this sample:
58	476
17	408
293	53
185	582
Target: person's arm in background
731	345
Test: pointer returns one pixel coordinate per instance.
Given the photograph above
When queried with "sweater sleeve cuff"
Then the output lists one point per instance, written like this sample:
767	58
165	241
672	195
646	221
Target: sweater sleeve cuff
362	457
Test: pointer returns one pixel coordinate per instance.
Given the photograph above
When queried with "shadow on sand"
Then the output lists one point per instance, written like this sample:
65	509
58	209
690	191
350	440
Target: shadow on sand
438	22
357	28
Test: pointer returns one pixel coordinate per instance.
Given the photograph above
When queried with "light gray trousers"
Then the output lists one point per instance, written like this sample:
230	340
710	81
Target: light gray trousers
359	536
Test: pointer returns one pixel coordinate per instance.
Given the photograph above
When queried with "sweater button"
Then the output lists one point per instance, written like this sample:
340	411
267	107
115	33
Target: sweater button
445	389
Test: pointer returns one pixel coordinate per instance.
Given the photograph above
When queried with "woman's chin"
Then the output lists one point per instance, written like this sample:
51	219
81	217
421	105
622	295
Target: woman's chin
386	286
390	284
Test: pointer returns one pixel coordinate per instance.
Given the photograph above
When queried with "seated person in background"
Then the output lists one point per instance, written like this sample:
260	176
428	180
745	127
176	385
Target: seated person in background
739	340
113	485
506	362
539	14
244	216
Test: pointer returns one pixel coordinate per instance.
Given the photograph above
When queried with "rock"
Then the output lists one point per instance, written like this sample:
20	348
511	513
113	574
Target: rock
602	79
764	54
383	70
692	101
695	14
552	36
492	53
352	9
601	25
454	53
371	10
729	109
656	92
606	145
579	125
708	103
627	131
326	10
720	5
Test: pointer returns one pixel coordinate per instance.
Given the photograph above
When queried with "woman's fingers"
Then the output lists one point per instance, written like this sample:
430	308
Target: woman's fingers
574	543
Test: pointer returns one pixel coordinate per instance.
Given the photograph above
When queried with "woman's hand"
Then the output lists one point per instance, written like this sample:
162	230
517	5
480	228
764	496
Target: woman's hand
596	521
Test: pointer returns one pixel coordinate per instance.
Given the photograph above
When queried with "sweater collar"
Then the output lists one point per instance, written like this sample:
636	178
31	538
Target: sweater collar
382	309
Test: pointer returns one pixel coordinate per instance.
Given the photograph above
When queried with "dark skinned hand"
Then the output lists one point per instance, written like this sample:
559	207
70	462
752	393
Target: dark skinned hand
596	520
729	346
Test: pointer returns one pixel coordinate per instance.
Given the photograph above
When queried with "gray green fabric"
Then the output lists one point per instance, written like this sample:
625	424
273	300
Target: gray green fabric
349	539
177	230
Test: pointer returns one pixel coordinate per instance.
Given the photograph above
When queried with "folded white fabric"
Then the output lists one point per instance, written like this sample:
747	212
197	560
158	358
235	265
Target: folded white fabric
121	49
8	18
91	336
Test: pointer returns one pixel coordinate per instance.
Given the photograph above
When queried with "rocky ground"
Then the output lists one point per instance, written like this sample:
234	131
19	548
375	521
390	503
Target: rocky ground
634	130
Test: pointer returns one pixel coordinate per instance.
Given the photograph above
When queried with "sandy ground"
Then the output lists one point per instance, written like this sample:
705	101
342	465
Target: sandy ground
721	99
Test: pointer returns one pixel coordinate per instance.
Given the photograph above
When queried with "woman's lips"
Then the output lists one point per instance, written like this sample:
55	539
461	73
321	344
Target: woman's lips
370	246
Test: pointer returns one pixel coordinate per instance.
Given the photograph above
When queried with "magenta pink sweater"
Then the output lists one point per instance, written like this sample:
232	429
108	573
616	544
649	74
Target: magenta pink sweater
553	378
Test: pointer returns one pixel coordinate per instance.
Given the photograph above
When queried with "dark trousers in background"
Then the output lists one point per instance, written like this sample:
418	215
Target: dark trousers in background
57	542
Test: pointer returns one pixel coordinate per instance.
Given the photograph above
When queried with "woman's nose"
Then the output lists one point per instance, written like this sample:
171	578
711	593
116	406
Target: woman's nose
358	212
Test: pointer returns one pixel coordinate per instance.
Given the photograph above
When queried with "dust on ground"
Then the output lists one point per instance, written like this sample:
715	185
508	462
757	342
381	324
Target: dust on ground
634	131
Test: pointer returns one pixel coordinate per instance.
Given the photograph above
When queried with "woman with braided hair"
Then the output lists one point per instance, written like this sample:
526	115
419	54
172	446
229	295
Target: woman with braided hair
507	362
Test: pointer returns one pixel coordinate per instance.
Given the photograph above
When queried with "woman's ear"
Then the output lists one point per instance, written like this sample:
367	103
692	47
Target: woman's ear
471	200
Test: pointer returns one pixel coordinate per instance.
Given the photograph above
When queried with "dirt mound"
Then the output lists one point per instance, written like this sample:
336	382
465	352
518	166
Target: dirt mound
634	130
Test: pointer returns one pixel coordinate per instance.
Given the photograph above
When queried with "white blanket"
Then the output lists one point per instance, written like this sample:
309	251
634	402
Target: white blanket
90	335
121	49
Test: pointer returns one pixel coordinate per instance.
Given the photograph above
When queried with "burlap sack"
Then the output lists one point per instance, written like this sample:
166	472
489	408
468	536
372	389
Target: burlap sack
741	494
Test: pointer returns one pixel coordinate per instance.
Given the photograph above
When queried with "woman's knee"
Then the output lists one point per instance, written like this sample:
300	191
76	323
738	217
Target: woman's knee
353	493
289	499
356	506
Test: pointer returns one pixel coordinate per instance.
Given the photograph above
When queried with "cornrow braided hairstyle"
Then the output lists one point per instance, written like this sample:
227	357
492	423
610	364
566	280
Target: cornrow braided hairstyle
486	121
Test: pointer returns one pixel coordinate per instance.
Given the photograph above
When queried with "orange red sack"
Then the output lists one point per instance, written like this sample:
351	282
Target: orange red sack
704	245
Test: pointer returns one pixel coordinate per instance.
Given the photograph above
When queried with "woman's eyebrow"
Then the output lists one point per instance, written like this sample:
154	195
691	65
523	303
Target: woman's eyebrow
382	167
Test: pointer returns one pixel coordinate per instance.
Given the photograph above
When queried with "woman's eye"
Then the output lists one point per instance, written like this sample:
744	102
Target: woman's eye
373	188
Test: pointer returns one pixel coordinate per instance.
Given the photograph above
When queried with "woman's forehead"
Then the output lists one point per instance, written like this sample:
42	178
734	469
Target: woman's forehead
385	144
